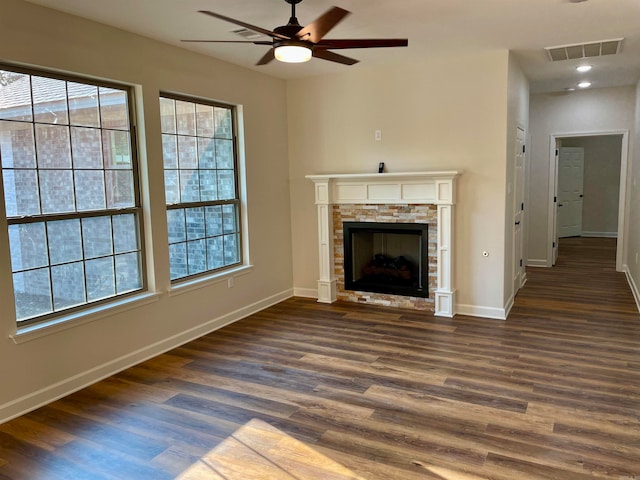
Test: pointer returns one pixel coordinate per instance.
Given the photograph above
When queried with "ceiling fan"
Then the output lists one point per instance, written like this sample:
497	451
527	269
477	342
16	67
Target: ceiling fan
293	43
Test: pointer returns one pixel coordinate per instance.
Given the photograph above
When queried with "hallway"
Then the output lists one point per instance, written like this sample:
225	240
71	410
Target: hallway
583	282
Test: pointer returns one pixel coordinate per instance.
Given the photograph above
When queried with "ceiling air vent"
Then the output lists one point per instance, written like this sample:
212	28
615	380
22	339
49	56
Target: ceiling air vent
246	33
584	50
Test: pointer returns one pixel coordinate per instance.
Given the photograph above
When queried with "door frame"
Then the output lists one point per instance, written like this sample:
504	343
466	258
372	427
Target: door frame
554	194
552	235
519	263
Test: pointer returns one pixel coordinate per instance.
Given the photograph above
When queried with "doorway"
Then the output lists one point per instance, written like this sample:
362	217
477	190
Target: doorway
601	194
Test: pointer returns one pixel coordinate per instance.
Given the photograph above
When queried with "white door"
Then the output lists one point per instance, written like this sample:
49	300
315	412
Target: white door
518	210
570	180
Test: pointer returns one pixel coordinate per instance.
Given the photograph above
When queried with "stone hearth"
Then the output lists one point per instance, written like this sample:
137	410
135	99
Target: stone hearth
421	197
385	214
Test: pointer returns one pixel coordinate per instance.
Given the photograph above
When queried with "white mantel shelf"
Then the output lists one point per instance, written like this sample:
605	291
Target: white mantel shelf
428	188
387	175
384	188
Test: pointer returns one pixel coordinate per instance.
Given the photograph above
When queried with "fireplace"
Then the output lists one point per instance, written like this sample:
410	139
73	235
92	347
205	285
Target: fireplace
386	258
403	197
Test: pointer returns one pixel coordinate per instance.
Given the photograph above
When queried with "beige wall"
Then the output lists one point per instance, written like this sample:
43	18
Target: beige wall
601	182
442	113
594	111
632	260
38	370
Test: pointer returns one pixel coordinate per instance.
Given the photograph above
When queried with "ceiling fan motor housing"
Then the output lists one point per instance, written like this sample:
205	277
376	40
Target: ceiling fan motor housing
290	30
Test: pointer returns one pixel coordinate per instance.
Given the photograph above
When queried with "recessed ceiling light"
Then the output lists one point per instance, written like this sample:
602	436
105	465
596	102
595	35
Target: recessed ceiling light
584	84
570	89
584	68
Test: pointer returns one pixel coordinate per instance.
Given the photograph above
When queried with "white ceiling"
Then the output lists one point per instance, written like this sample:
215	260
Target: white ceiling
433	27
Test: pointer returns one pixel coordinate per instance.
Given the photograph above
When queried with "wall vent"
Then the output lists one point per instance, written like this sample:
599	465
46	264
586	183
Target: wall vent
246	33
584	50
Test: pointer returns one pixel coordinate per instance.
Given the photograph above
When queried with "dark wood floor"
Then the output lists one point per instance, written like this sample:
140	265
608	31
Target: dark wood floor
552	393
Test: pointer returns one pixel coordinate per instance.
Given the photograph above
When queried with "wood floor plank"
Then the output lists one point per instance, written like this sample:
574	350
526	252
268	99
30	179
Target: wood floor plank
112	437
577	449
405	454
451	411
257	451
374	470
507	468
106	462
553	392
37	434
273	392
137	422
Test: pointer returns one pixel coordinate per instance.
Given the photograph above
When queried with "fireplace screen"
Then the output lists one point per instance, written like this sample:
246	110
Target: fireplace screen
386	258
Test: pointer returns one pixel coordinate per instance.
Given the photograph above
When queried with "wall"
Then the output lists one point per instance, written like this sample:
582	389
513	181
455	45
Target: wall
631	261
44	368
601	184
433	115
590	111
517	116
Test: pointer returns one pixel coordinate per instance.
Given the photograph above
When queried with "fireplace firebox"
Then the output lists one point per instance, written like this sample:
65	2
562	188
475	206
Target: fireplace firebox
386	258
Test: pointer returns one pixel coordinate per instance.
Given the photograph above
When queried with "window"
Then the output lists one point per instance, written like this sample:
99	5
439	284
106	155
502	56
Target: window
200	186
70	192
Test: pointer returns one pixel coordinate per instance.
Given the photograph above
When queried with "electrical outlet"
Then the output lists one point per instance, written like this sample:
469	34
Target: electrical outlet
378	135
230	282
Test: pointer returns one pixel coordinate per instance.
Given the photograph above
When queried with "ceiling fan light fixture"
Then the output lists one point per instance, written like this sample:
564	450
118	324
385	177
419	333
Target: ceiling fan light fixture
293	53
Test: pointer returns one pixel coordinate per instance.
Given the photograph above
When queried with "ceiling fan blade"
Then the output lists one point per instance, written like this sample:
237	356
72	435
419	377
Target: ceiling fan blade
333	57
228	41
321	25
270	55
363	43
248	26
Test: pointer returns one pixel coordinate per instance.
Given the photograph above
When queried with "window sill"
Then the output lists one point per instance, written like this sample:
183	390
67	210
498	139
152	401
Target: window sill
39	330
32	332
190	285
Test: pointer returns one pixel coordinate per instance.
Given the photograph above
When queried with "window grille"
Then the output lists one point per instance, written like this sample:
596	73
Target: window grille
71	193
201	186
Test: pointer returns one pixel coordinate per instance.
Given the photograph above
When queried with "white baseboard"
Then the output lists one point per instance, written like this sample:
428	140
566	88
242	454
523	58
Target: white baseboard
483	312
305	292
470	310
535	262
632	284
600	234
61	389
508	306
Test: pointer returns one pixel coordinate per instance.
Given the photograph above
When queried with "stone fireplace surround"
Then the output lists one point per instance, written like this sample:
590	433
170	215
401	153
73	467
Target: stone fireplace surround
387	214
391	189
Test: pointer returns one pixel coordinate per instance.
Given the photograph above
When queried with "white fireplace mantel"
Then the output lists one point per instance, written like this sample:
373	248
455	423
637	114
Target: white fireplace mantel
436	188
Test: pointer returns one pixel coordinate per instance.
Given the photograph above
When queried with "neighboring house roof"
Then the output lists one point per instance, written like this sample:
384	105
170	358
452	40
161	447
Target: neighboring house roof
46	90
